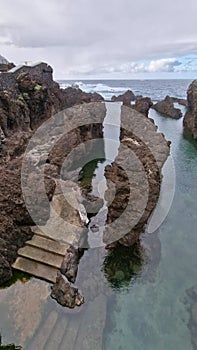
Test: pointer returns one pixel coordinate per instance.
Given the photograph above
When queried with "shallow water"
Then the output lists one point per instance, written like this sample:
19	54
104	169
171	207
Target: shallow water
152	315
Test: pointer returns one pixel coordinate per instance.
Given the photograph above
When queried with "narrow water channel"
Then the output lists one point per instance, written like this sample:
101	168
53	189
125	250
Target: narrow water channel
111	134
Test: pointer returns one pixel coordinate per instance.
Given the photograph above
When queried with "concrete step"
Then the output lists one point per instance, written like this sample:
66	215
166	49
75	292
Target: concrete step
69	339
44	332
48	245
57	334
42	256
90	334
38	231
36	269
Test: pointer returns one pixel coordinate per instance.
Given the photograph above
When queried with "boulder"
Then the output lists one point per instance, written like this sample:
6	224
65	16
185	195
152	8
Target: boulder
74	96
142	105
190	119
126	98
65	294
166	107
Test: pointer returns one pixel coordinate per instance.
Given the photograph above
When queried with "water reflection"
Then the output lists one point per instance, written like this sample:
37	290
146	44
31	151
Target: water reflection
122	264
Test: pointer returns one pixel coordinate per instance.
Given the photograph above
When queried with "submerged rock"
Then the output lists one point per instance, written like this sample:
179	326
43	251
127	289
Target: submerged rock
190	119
65	294
192	325
166	107
9	346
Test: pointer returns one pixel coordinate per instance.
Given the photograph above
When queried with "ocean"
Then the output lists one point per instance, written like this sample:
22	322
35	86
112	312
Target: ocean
156	89
147	309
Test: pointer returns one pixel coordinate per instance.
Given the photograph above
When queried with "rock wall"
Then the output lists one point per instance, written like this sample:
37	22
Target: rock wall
190	119
26	104
136	173
166	107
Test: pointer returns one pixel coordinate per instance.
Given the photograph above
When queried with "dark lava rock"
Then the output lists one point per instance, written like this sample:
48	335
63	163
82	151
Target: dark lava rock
75	96
142	105
28	100
166	107
151	151
181	101
5	270
126	98
65	294
69	265
190	119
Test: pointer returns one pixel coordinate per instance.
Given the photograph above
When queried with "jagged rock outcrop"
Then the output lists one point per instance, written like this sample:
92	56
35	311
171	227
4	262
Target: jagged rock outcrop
70	262
5	65
166	107
136	173
65	294
31	100
74	96
142	105
181	101
28	96
127	97
190	119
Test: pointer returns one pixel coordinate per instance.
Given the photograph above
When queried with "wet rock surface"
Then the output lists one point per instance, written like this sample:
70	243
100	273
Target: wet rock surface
65	294
166	107
190	119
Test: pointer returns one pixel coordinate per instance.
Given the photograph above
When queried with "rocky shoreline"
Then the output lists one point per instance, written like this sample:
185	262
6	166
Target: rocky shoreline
22	111
190	119
28	98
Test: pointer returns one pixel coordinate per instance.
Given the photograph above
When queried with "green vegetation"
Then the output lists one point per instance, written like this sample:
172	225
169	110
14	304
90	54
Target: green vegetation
25	94
22	276
88	172
20	98
122	265
38	87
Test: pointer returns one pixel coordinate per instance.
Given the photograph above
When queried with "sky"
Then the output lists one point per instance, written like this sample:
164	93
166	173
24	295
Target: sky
103	39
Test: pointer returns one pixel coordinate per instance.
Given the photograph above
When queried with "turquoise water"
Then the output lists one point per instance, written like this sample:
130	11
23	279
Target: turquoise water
152	315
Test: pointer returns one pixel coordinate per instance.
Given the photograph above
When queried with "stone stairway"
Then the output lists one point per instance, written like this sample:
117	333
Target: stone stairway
81	331
41	257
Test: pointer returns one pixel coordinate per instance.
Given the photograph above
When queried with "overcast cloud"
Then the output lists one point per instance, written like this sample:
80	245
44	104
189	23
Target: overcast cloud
101	37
